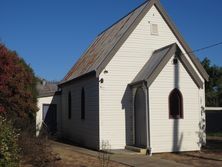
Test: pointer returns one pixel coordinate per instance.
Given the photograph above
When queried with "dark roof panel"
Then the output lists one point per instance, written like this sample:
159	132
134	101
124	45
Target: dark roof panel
109	41
152	63
102	45
45	88
158	61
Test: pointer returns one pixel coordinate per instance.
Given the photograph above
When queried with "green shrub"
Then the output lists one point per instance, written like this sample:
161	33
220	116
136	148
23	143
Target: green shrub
9	150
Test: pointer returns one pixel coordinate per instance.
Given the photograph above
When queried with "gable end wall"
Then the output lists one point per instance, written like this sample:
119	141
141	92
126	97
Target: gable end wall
172	135
115	97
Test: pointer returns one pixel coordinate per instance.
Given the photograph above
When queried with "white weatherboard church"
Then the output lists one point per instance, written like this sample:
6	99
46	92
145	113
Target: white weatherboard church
138	84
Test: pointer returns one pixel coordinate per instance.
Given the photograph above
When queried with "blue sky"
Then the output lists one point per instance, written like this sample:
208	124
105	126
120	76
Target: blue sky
52	34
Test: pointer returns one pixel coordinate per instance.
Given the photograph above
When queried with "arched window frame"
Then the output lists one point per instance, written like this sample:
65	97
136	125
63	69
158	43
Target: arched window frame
83	104
69	105
175	93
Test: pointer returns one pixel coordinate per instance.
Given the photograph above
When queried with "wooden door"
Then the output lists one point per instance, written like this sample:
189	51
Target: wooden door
140	119
50	117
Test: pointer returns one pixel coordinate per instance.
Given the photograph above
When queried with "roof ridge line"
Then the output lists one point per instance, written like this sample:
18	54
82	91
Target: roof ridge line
116	44
146	1
70	72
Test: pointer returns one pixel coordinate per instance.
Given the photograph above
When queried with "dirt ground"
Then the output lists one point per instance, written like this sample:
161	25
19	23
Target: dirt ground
71	158
211	155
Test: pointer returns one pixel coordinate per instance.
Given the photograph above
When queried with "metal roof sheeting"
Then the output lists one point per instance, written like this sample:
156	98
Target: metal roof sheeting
102	45
106	44
158	61
45	88
152	64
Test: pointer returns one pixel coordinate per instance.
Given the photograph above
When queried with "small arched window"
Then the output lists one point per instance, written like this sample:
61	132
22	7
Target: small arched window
83	104
69	105
175	104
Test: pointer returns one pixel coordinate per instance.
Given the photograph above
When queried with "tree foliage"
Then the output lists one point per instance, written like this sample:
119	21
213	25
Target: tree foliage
17	86
18	105
214	86
9	149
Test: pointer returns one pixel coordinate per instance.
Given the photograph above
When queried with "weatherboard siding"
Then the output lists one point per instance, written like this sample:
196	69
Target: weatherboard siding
115	98
83	132
169	135
39	115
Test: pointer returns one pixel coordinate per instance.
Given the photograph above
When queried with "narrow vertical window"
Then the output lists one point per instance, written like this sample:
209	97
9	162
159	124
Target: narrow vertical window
83	104
175	104
69	105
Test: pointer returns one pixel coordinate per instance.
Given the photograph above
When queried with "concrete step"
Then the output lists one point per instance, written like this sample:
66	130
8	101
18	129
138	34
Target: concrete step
137	149
124	152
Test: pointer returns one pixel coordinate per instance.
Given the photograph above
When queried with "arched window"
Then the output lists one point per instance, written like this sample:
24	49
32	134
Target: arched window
69	105
175	104
83	104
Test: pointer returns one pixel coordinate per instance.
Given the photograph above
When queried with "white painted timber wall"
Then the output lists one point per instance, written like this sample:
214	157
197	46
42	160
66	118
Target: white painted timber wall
168	135
48	100
115	98
83	132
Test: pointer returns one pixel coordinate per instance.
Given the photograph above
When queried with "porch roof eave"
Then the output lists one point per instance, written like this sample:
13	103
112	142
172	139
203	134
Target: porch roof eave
137	83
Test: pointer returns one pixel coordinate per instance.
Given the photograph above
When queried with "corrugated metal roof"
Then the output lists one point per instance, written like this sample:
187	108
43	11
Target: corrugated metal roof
109	41
102	45
158	61
152	63
45	88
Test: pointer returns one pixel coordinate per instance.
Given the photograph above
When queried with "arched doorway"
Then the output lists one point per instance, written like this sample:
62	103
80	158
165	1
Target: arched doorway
140	119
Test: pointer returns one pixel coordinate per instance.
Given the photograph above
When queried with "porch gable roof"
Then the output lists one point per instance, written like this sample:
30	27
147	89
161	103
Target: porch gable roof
157	62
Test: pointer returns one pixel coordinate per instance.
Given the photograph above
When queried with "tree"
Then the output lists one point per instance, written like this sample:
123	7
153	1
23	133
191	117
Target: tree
17	87
18	105
9	149
214	86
